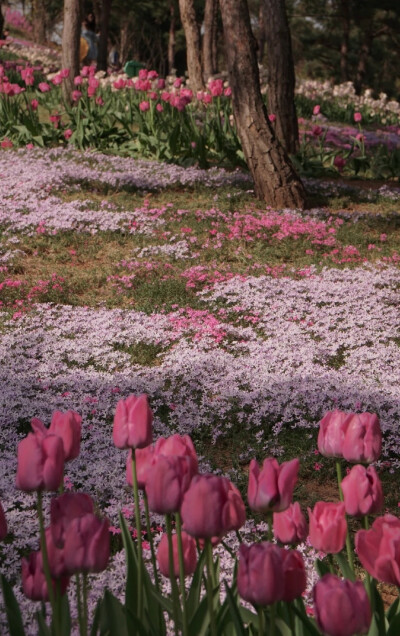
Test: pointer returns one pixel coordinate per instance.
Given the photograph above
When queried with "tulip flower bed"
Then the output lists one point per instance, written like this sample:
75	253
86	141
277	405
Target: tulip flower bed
244	326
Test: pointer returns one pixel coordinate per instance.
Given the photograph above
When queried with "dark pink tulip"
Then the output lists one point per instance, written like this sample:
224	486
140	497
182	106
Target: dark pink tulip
87	544
189	554
55	556
64	509
332	430
259	578
33	580
379	549
362	491
363	439
212	507
341	607
144	459
294	575
40	463
271	489
132	423
167	481
328	527
3	524
290	526
68	427
177	445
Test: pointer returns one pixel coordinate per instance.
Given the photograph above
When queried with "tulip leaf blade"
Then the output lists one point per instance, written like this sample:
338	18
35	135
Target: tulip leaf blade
393	609
344	566
322	567
44	629
200	622
394	628
13	611
112	616
310	628
65	616
283	627
131	566
234	611
96	619
193	598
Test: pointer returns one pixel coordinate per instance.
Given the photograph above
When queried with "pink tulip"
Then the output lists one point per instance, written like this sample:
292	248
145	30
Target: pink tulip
132	423
87	544
143	106
68	427
357	117
189	554
178	445
212	507
167	481
40	463
328	527
290	526
332	430
294	575
34	104
316	109
363	439
341	607
271	489
33	580
272	118
55	556
3	524
379	549
44	87
65	508
259	579
339	162
144	460
362	491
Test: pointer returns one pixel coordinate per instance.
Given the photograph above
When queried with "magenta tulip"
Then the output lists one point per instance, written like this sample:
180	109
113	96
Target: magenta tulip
167	481
379	549
290	526
144	459
33	580
259	579
363	439
294	575
362	491
55	556
332	430
341	607
189	555
40	463
68	427
87	544
177	445
133	423
3	524
65	508
328	527
212	507
271	489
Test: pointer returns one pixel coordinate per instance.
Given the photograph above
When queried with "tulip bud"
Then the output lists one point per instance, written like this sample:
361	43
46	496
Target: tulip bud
379	549
40	463
290	526
363	439
328	527
68	427
33	580
189	554
144	461
259	578
132	423
178	445
167	481
332	429
87	544
341	607
362	491
294	575
64	509
271	489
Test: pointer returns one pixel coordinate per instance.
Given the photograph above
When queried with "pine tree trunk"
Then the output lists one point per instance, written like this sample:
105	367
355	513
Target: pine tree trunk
103	39
70	44
281	78
275	179
192	35
261	32
1	20
39	21
209	37
344	45
171	38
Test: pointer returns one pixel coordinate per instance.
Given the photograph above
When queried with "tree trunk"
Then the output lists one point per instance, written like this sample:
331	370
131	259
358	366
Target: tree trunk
281	78
171	39
192	35
125	42
275	179
103	39
1	21
261	32
39	21
363	61
70	44
344	45
210	37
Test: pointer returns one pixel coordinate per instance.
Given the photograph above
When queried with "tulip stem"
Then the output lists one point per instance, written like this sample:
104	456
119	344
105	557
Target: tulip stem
174	589
85	608
367	574
138	534
151	541
45	559
178	520
210	586
272	612
349	548
270	519
261	621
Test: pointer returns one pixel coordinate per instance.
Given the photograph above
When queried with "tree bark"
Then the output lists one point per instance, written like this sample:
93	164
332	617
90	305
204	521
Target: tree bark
209	38
192	35
70	44
1	20
39	21
125	42
344	45
261	31
171	38
103	39
281	78
275	179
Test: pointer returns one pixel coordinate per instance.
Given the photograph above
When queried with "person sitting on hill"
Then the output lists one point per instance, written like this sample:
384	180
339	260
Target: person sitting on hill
89	37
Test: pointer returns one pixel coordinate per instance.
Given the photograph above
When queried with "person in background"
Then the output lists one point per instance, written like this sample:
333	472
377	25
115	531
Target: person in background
89	45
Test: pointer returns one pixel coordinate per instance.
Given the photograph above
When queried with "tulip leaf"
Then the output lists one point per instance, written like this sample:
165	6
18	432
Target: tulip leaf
96	619
322	567
65	616
193	598
393	610
308	623
344	566
283	627
201	620
112	616
394	629
13	611
234	611
131	566
44	629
